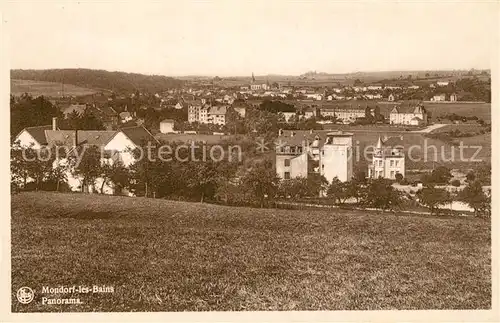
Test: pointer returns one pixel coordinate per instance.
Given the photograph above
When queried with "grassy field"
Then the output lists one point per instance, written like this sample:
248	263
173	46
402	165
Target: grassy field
51	89
481	110
163	255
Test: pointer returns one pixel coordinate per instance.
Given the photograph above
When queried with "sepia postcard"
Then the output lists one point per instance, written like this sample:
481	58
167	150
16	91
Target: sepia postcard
250	160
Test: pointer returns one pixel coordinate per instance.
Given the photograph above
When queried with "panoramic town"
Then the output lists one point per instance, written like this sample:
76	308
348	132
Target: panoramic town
314	191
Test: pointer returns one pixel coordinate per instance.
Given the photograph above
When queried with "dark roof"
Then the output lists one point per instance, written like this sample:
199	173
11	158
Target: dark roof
407	108
85	137
217	110
393	141
94	137
60	137
138	135
193	102
38	133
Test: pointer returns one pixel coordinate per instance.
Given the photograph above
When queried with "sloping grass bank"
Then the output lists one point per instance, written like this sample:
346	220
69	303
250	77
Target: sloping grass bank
164	255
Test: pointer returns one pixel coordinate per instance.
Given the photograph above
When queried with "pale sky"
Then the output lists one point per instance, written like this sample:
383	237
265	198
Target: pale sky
240	37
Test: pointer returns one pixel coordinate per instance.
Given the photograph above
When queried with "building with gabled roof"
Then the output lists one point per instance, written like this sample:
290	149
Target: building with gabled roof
388	158
33	137
408	115
301	153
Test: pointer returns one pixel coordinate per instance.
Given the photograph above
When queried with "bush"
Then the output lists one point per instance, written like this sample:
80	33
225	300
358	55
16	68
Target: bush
399	178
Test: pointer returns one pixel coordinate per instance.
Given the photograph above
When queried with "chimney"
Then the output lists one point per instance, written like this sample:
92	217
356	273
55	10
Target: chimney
54	123
75	139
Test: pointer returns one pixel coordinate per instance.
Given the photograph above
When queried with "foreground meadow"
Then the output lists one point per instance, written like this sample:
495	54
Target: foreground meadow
161	255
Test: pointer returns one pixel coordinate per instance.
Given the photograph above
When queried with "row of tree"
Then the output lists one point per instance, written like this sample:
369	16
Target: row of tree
229	181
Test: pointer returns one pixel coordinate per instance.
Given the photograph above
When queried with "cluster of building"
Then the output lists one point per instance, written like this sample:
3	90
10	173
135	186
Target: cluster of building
116	146
203	112
331	154
443	97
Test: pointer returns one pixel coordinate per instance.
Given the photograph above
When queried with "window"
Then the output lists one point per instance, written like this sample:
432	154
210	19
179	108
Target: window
287	162
397	163
287	175
392	163
380	163
392	174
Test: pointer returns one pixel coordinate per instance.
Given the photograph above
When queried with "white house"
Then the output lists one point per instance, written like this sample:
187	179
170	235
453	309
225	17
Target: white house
408	115
167	126
241	110
300	153
388	159
288	115
217	115
439	97
33	136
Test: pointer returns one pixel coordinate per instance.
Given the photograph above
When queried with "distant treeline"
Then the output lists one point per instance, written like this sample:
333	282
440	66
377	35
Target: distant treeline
118	82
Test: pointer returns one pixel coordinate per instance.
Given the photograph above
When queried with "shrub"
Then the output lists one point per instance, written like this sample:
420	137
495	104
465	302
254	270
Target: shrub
399	178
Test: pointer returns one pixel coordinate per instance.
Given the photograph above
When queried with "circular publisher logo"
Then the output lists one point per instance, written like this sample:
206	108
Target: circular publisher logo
25	295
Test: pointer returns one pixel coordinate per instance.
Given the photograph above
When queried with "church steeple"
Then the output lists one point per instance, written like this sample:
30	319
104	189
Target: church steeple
379	143
253	78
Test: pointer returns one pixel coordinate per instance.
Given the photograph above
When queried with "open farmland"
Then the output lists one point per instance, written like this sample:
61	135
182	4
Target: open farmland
481	110
50	89
164	255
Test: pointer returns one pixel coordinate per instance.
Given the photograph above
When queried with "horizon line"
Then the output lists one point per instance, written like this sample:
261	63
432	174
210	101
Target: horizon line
259	75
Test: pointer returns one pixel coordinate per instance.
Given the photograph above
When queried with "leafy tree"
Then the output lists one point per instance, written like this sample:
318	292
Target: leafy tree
27	111
440	175
263	122
315	184
203	179
476	198
59	174
87	167
380	194
261	181
19	168
484	174
87	120
276	106
294	187
433	198
338	191
143	173
360	177
114	173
